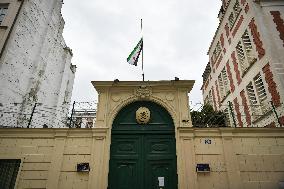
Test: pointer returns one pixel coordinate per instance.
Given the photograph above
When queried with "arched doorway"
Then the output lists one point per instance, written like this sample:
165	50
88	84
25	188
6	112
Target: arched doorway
143	155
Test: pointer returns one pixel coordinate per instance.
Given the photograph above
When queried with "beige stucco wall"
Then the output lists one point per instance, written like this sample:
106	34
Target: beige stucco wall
245	158
239	157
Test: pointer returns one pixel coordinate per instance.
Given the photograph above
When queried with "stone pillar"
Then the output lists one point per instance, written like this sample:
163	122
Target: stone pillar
187	177
57	158
100	153
232	166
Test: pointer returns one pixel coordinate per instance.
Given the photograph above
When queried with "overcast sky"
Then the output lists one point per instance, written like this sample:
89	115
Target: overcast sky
102	33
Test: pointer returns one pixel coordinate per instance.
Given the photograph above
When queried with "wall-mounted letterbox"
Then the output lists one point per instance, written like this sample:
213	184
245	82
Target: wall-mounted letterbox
83	167
202	167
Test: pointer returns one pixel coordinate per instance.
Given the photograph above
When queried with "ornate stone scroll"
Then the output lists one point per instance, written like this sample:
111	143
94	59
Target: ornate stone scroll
143	92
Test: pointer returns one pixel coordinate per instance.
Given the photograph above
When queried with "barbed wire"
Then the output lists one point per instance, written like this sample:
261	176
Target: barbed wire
83	115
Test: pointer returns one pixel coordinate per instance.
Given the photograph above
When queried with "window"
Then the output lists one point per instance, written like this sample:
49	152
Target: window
237	8
3	12
223	83
257	97
234	15
216	52
232	20
8	172
245	52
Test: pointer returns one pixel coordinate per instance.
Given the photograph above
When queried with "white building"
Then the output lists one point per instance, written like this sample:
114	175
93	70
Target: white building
246	68
35	64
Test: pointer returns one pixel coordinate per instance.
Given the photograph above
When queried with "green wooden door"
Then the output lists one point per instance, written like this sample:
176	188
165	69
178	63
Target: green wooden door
143	156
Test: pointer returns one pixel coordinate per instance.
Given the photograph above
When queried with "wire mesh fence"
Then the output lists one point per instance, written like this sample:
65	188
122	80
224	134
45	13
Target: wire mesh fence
37	115
83	114
40	115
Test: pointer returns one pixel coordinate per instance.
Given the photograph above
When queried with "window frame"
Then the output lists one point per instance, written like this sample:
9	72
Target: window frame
249	57
216	53
15	173
3	6
259	106
223	82
233	17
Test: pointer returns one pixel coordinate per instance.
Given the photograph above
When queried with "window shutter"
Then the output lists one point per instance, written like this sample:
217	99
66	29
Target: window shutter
225	81
3	12
241	57
221	86
251	94
260	88
231	20
248	47
237	8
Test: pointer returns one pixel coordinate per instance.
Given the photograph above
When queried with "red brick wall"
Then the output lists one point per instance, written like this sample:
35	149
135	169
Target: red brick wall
272	87
222	40
246	108
237	109
239	23
256	39
236	68
232	86
279	24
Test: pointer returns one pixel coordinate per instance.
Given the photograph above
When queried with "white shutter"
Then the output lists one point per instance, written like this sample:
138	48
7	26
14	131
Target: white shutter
248	48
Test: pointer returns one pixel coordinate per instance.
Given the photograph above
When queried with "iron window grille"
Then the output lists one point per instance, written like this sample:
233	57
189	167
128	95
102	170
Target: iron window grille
8	172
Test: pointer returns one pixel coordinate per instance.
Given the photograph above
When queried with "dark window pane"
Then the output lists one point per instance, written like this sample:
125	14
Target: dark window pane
8	172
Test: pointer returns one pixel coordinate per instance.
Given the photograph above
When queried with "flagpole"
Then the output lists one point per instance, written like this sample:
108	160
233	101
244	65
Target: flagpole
142	51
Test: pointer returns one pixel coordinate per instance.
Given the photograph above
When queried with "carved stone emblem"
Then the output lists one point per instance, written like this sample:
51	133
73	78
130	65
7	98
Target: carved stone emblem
143	115
115	97
170	96
143	92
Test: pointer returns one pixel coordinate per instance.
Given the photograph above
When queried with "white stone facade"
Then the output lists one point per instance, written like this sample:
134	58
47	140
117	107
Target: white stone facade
246	65
35	64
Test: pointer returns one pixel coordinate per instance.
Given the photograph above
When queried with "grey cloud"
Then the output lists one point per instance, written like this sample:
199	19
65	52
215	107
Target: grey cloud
102	33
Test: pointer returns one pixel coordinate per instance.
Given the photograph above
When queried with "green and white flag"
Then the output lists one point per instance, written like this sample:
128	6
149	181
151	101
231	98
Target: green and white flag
134	55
